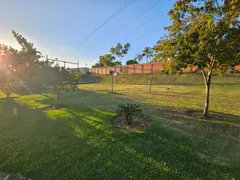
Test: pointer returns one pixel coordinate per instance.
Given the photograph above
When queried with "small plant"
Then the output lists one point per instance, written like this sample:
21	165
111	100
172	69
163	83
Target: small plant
128	111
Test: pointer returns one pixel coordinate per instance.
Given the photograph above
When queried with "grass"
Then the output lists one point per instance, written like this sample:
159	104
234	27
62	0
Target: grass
160	79
79	142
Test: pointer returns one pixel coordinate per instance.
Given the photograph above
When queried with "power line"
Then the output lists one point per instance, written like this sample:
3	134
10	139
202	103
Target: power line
144	12
117	12
124	26
137	29
136	39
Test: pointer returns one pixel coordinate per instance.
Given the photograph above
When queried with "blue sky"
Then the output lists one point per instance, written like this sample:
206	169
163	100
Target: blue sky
58	28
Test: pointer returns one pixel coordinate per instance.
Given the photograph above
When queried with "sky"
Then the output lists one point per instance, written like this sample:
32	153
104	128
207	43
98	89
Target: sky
71	29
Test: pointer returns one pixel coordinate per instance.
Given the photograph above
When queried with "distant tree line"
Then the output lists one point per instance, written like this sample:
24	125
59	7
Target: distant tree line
114	58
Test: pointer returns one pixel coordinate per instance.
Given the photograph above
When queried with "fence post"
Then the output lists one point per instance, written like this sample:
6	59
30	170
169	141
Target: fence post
150	83
142	69
98	70
112	83
151	68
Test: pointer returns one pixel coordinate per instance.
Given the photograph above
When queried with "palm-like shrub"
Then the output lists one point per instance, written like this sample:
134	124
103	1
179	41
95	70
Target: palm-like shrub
128	111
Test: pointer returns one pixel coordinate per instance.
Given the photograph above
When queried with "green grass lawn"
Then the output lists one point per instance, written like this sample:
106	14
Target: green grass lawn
160	79
79	142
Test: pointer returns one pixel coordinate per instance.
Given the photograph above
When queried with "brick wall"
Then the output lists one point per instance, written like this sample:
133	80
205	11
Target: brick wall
153	67
130	69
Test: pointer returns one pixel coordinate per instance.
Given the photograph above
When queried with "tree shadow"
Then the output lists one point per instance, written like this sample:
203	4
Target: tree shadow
214	117
79	143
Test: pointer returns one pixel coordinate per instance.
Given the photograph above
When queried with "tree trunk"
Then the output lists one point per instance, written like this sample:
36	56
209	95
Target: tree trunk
207	78
128	119
56	101
206	107
8	92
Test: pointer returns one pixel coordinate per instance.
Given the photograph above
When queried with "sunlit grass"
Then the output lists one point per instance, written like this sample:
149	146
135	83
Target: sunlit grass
79	142
223	99
36	101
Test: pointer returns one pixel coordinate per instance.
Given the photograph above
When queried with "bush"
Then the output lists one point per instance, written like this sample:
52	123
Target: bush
128	111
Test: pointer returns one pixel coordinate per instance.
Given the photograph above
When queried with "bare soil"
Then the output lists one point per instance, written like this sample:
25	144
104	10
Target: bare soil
139	122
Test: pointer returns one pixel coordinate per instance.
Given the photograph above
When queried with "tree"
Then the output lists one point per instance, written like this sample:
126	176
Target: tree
73	78
132	61
107	60
56	77
119	51
25	66
139	57
117	63
204	34
28	58
158	55
23	62
98	64
7	81
148	53
8	74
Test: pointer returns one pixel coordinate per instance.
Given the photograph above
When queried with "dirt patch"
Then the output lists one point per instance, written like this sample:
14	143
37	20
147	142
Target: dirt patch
139	122
60	106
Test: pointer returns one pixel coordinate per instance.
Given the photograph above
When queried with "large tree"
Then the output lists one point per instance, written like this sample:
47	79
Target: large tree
203	33
24	66
120	51
24	61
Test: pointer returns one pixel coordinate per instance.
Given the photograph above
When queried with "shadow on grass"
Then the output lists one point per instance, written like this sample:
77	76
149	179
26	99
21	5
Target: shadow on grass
214	117
79	143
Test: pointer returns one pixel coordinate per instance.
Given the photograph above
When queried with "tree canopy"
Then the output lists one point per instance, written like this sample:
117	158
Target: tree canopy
120	50
148	53
107	60
139	57
205	34
110	60
131	61
25	66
